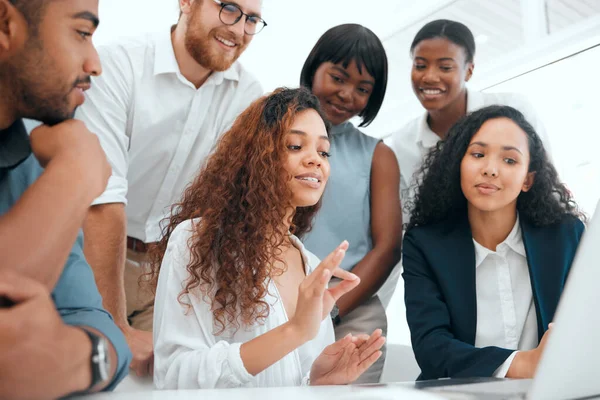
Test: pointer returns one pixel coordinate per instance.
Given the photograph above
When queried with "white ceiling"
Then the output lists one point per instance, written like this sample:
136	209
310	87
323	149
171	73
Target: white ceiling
277	54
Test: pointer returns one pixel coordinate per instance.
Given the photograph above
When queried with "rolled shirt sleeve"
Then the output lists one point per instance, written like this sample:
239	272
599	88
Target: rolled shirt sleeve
503	369
79	303
106	113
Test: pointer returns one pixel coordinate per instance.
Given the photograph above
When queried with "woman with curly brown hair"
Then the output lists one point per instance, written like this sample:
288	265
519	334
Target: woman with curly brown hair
489	246
239	301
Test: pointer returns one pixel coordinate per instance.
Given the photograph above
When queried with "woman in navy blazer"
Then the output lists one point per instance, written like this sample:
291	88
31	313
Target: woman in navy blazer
488	182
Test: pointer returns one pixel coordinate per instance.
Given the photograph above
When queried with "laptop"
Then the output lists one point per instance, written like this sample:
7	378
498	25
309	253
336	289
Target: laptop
570	365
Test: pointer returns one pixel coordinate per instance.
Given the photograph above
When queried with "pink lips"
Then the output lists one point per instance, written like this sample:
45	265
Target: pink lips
337	108
310	183
487	188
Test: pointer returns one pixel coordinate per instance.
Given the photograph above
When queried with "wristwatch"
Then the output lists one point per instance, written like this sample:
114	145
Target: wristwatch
335	315
100	362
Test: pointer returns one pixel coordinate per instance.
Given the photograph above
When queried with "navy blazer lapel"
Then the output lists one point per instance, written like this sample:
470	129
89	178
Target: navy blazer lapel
546	270
459	253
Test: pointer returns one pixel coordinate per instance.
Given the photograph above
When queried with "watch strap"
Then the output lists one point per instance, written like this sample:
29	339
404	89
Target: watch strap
97	357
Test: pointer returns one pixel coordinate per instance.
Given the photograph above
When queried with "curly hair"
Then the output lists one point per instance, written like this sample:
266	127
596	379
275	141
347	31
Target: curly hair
242	197
438	193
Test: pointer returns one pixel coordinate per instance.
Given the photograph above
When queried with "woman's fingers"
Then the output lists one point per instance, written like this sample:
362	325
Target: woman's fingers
339	345
365	364
371	338
318	287
360	339
332	260
343	274
370	347
342	288
331	256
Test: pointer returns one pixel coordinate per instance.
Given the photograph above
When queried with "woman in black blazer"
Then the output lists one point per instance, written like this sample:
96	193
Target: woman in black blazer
488	249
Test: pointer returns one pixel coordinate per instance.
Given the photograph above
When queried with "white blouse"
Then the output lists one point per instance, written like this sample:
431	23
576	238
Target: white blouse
188	354
506	315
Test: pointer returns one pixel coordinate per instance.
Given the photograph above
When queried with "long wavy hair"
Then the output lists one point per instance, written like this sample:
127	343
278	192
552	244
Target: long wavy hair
438	191
242	197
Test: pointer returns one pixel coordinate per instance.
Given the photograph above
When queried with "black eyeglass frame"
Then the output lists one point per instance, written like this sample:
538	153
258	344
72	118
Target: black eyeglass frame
223	5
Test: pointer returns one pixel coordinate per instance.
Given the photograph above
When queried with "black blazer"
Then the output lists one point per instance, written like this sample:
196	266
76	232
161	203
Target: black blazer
441	305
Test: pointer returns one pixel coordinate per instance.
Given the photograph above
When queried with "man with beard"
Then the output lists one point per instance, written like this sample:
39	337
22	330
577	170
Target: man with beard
55	337
158	109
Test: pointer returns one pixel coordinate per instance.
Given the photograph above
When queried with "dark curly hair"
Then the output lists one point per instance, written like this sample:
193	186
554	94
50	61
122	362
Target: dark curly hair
438	190
242	197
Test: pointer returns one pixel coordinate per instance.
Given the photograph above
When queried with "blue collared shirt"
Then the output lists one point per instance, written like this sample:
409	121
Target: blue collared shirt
75	296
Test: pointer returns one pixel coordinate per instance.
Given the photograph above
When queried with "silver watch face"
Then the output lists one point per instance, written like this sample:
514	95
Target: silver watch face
102	360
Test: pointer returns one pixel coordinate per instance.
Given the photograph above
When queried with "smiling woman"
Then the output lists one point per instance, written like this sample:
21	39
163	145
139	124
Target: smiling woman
499	232
259	300
347	71
443	54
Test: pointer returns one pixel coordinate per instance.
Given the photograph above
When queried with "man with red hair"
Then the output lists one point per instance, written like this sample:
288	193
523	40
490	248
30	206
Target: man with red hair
158	109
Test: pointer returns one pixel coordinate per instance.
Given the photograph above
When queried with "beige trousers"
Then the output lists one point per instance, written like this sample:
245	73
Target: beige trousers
140	300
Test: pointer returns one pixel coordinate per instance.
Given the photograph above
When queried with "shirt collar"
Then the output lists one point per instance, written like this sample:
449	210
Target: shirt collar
165	62
14	145
475	100
514	242
297	243
427	138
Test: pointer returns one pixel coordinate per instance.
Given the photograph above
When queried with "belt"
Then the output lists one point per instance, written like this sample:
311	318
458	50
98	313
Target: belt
137	245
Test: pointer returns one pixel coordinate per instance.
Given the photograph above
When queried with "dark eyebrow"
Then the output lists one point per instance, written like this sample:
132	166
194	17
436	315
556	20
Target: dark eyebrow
512	148
302	133
89	16
341	71
503	147
439	59
345	73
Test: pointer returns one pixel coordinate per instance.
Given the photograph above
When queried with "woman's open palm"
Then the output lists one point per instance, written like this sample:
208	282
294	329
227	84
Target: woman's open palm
347	359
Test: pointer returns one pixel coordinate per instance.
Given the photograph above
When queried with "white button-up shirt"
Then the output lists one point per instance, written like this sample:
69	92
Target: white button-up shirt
188	354
506	315
156	128
416	138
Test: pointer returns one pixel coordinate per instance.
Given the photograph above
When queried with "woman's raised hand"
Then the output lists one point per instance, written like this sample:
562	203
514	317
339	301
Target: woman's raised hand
315	300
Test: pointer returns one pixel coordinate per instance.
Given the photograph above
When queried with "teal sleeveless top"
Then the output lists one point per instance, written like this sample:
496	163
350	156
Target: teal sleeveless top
345	212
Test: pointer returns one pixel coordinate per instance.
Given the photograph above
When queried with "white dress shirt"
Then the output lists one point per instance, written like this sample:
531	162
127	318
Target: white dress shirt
506	315
156	128
415	139
188	354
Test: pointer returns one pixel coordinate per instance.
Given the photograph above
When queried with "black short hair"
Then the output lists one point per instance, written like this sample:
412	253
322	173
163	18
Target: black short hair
347	43
454	31
438	188
32	10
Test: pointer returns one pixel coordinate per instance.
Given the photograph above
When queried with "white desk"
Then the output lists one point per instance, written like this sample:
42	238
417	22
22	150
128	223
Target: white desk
362	392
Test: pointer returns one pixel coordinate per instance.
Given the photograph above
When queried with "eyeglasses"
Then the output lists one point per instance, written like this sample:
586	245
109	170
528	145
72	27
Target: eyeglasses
230	14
